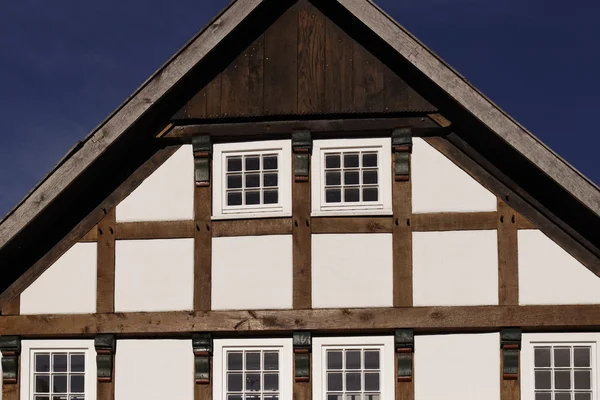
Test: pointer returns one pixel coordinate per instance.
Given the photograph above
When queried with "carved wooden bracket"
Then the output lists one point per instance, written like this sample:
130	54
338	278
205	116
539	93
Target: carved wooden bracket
402	147
10	346
105	351
510	343
202	146
405	347
302	147
202	344
302	349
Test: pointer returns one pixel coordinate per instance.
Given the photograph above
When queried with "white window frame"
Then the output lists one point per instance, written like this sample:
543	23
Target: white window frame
30	347
286	371
530	340
383	146
383	343
283	149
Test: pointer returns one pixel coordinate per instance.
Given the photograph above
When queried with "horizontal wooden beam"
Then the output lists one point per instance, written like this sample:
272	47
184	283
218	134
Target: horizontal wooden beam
454	221
252	227
422	319
155	230
352	225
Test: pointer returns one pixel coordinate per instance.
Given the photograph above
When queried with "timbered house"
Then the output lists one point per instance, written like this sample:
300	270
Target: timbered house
304	203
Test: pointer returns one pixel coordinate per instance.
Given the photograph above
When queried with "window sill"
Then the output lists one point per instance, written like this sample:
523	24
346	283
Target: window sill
355	212
252	215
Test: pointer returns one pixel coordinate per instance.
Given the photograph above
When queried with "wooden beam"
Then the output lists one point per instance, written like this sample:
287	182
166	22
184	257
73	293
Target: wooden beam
302	243
510	389
155	230
508	260
252	227
202	248
352	225
524	223
402	233
91	236
454	221
423	319
12	391
13	307
105	287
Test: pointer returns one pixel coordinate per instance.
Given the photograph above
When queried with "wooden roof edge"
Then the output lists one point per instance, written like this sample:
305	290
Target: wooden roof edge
87	151
475	102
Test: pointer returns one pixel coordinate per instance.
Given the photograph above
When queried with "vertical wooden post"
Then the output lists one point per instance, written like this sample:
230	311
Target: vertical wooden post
510	364
301	228
202	248
302	366
12	391
13	308
10	346
105	291
404	360
105	346
508	259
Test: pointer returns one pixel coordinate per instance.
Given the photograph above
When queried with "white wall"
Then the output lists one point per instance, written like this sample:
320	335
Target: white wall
67	287
455	268
154	370
352	270
457	367
253	272
167	194
438	185
154	275
550	275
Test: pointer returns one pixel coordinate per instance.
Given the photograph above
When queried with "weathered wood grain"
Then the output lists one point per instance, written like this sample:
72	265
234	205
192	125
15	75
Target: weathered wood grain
368	81
144	230
252	227
339	55
202	248
508	259
302	245
105	285
12	391
402	243
510	389
196	107
91	236
524	223
213	97
13	307
234	86
106	390
256	71
471	221
311	59
352	225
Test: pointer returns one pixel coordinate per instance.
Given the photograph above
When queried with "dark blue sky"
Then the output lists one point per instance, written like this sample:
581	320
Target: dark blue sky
66	64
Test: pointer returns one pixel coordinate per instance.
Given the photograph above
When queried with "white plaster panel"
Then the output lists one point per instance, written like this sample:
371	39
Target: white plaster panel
166	195
67	287
154	370
550	275
352	270
455	268
154	275
439	357
439	185
253	272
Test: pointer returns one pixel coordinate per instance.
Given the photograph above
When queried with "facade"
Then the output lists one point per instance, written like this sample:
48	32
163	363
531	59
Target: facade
304	203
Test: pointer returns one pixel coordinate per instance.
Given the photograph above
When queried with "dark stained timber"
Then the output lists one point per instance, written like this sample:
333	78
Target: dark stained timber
311	59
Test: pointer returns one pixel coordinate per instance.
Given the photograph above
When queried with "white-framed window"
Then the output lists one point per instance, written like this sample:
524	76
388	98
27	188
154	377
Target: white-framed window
560	366
353	368
58	370
252	179
351	176
252	369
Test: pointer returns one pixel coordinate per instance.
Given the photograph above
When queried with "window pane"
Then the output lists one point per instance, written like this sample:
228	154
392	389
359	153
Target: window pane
370	194
234	181
270	180
77	363
271	397
581	356
60	397
271	361
372	381
42	383
271	197
253	361
543	396
252	163
234	397
77	397
562	379
562	357
42	398
234	164
583	380
332	161
253	181
370	160
371	396
542	357
252	397
271	382
353	396
562	396
253	382
334	360
351	178
334	381
59	384
353	359
334	397
542	380
234	199
351	195
77	383
59	362
234	361
371	360
350	160
252	198
369	177
42	363
333	178
583	396
333	196
270	162
234	382
353	381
